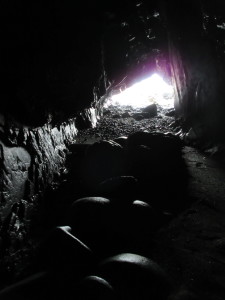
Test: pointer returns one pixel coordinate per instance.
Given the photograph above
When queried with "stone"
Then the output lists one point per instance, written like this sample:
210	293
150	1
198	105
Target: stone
106	112
144	220
155	159
140	161
94	287
165	148
151	110
133	225
135	277
170	113
103	160
191	136
116	116
160	141
122	188
78	149
91	220
140	116
62	250
122	141
126	115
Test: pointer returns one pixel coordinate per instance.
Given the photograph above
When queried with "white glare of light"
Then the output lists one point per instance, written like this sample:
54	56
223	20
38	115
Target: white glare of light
151	90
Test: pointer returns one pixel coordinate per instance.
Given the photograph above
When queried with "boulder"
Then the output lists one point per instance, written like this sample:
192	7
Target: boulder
62	250
78	149
121	188
140	116
141	161
135	277
158	153
151	110
94	287
126	115
112	226
133	226
144	220
103	160
164	143
116	116
90	219
122	141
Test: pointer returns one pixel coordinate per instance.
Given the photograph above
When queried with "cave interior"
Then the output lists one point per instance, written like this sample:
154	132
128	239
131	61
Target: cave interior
101	200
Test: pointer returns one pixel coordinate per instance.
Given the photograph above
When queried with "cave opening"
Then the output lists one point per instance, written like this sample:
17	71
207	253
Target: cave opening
152	89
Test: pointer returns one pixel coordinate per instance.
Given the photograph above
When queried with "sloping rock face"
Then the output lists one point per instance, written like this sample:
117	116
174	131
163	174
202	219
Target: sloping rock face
32	160
196	34
15	163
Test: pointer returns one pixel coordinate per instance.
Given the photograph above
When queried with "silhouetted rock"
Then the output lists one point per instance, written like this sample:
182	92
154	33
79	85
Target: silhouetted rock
140	116
151	110
167	143
122	140
94	287
138	158
91	219
78	149
155	159
134	225
144	219
123	188
103	160
116	116
135	277
126	114
63	251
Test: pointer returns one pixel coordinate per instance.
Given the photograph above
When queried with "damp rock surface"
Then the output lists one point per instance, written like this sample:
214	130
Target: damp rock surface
15	165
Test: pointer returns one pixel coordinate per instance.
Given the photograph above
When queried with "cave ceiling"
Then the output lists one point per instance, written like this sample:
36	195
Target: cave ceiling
56	54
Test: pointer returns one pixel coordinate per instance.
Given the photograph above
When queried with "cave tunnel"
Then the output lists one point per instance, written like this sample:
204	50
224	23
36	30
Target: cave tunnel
112	149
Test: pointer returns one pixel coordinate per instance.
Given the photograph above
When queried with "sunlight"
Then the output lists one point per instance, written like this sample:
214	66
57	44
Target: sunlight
151	90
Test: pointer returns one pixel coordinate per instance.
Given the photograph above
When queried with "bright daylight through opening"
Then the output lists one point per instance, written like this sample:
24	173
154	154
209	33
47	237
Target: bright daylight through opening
151	90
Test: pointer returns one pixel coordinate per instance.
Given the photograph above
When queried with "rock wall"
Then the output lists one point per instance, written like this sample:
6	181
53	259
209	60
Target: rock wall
196	51
32	160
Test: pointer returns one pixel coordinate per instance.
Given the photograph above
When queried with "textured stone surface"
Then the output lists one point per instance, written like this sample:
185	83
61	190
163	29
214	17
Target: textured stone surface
32	160
15	164
197	65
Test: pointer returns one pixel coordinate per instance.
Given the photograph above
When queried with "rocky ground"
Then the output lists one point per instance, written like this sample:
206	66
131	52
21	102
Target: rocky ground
192	246
165	203
122	121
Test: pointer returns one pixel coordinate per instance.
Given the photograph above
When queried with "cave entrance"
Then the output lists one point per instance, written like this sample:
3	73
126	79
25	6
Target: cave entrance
150	90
